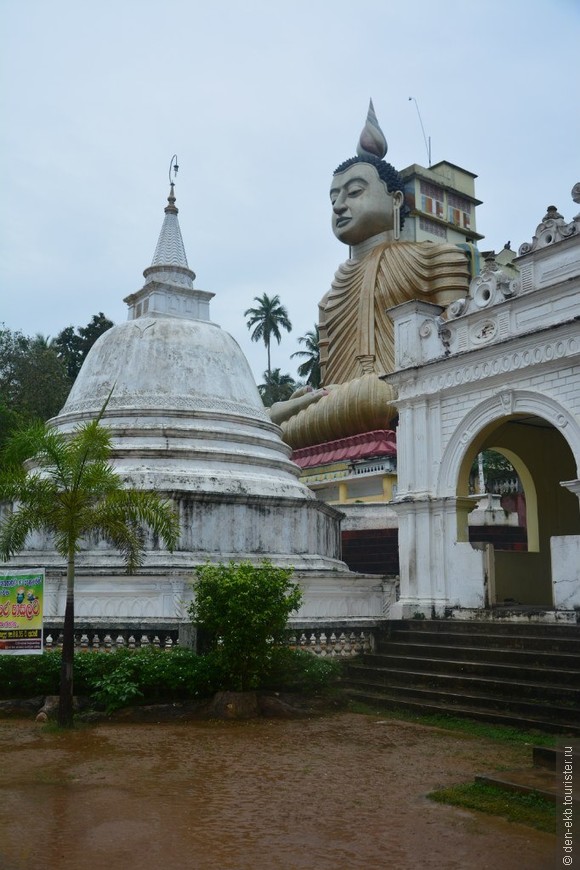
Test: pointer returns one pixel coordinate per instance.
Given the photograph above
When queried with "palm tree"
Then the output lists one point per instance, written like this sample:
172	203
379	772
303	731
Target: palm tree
276	387
267	318
310	368
70	490
42	342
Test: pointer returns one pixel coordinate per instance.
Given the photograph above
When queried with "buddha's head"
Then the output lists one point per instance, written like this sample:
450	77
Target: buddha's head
366	192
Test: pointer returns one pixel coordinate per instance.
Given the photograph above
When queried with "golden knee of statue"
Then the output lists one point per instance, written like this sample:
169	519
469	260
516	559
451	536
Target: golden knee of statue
356	332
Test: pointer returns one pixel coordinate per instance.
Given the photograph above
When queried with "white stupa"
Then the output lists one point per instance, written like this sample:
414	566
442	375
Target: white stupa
188	422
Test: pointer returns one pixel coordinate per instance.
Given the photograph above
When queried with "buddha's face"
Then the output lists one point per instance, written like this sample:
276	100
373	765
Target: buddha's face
361	204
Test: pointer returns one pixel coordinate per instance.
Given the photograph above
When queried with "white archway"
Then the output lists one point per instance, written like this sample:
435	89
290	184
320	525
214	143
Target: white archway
493	411
523	577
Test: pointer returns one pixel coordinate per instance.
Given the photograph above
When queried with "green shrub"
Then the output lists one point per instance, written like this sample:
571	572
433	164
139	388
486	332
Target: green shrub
297	670
244	610
29	675
89	667
150	675
118	688
115	679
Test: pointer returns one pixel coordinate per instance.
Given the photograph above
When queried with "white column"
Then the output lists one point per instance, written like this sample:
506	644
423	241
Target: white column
437	572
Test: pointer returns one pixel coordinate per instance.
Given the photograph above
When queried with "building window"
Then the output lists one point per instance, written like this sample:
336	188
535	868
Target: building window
431	227
432	199
459	211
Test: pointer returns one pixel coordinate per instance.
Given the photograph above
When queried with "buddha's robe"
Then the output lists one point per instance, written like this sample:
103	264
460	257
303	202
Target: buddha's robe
356	334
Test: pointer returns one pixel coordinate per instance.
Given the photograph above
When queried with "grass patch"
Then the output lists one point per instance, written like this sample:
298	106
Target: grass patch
486	730
526	809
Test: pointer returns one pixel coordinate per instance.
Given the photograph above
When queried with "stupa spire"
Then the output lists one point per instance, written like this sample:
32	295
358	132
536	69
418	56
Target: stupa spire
170	250
168	290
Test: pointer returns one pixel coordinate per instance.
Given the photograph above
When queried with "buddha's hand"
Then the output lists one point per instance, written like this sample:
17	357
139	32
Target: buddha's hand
301	398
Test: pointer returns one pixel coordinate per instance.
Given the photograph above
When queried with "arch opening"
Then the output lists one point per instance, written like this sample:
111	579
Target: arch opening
542	459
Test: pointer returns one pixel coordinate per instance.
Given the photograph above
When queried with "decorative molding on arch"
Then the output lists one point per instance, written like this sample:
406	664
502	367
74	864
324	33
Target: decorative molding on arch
504	404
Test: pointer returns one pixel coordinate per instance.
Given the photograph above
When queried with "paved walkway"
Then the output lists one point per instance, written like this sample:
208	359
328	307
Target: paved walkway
332	793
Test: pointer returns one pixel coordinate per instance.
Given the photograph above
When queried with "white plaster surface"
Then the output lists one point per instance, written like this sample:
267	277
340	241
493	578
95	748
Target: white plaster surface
163	597
566	571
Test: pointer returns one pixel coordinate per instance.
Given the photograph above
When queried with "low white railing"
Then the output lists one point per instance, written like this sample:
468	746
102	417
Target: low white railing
320	642
503	487
106	642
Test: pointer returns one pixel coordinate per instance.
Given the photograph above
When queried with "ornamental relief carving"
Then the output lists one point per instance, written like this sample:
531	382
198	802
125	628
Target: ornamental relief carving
482	333
169	403
505	364
553	228
426	329
507	402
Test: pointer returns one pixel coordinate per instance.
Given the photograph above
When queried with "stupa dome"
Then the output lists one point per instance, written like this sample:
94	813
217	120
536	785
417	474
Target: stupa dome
184	409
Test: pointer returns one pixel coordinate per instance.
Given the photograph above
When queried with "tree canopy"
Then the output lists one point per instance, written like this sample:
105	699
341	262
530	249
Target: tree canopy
73	345
33	380
267	318
310	368
277	387
36	373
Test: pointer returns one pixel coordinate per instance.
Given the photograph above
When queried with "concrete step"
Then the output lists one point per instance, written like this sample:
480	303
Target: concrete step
552	757
458	682
564	643
461	665
527	672
564	715
544	777
468	711
473	626
530	780
500	655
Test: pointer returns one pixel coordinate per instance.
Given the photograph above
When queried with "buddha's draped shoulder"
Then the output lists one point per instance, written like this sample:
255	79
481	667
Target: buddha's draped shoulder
356	333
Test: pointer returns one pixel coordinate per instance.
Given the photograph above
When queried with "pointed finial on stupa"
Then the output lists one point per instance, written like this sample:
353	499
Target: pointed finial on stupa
372	142
173	169
171	208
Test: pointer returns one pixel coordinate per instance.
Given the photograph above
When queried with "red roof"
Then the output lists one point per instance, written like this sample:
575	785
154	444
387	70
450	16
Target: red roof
380	442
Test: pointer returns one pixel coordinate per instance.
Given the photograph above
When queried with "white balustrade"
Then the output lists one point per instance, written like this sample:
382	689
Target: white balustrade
322	642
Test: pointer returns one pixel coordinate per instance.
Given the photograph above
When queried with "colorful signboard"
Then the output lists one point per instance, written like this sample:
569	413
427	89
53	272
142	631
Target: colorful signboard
21	599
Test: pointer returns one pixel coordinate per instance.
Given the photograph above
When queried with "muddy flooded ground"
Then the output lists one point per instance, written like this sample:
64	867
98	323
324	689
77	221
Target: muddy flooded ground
338	791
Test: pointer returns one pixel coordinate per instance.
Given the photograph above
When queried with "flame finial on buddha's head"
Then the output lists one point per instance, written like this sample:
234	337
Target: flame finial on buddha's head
372	142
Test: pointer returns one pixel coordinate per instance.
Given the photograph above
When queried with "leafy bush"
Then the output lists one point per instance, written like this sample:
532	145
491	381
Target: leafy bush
27	676
150	675
297	670
113	680
118	688
244	610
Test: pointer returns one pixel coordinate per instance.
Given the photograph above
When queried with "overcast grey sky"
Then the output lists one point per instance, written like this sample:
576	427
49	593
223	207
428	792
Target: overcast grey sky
260	100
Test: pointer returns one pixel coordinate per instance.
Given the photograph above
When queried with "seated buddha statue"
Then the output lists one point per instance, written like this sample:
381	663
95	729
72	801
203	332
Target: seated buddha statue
356	333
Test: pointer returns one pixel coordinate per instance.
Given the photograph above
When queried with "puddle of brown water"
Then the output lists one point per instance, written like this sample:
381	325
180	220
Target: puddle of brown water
343	791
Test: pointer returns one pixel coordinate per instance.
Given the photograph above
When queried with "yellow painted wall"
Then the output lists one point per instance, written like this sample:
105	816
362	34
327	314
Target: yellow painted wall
549	460
524	577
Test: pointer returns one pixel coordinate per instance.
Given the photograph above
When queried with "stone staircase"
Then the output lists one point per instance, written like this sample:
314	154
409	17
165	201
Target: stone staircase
525	675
